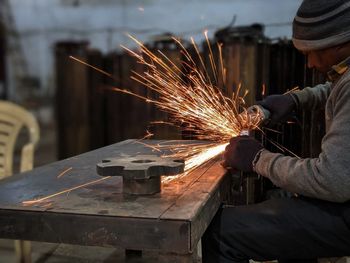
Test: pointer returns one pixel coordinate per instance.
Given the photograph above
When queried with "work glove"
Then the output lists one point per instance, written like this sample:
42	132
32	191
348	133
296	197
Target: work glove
281	107
241	152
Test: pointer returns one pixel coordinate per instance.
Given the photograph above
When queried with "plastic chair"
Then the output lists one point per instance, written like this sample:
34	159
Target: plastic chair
12	119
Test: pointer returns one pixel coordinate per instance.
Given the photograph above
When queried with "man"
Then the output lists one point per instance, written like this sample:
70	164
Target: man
315	224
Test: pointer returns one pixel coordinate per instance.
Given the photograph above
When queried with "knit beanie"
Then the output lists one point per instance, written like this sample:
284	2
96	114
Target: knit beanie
321	24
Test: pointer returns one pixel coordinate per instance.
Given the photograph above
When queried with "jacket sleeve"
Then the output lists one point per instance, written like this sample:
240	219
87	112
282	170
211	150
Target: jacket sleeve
313	97
326	177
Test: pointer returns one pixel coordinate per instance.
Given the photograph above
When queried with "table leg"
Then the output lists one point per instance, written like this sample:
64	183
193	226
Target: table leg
23	251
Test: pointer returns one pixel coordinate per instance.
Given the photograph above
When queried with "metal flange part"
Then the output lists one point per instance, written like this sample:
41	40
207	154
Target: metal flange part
141	173
140	166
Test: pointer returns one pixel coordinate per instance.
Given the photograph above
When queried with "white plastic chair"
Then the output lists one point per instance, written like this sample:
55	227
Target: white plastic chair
12	119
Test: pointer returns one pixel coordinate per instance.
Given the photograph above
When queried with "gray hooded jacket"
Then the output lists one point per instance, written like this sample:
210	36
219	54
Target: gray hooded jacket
328	176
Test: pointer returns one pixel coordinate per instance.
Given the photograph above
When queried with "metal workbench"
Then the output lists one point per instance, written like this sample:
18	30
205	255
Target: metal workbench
171	222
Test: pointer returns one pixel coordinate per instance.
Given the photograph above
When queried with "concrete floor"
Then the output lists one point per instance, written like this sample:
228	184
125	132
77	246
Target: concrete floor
63	253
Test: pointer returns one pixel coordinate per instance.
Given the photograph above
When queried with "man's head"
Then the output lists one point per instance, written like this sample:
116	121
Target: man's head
323	59
321	30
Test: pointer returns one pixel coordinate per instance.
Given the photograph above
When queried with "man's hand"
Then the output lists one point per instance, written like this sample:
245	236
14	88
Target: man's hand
281	107
240	153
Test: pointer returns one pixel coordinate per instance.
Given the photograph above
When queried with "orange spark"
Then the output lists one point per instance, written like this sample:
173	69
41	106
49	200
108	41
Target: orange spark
291	90
64	172
204	156
33	202
197	159
193	98
93	67
263	92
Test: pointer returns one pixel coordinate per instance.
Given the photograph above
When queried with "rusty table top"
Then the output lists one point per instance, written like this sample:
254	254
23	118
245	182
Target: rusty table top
99	214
